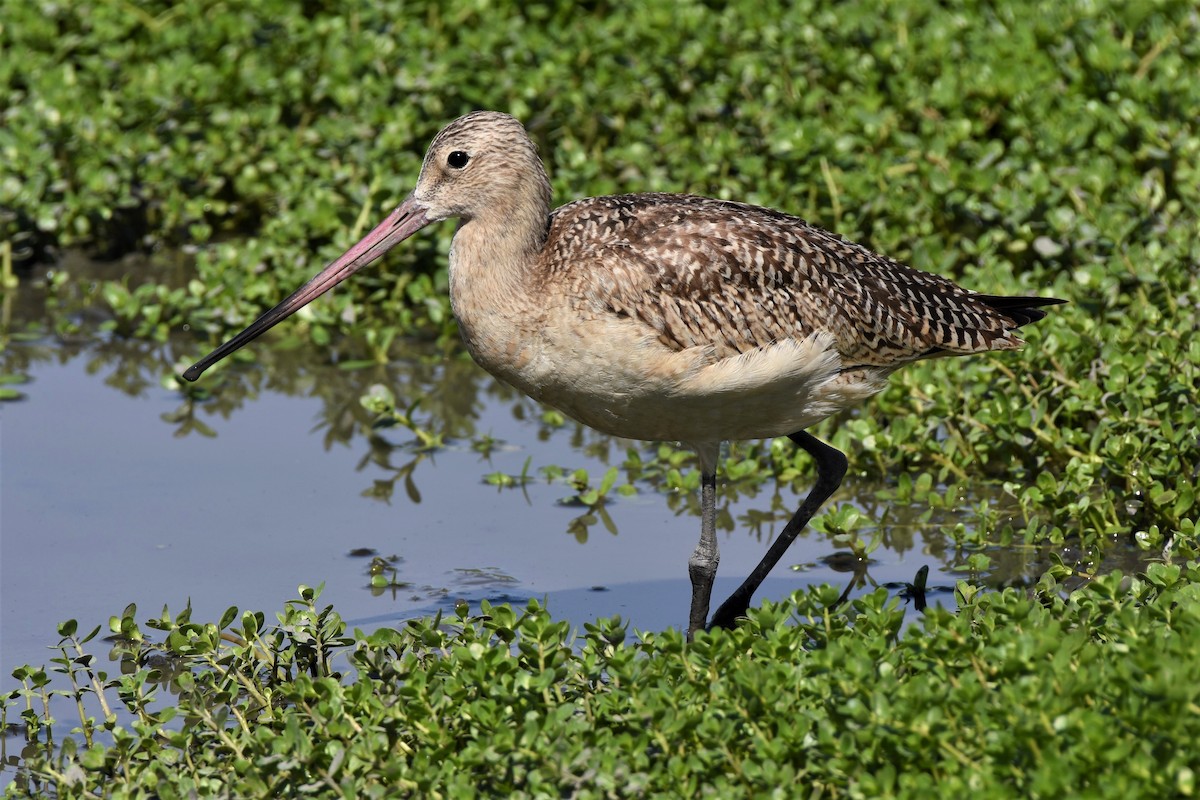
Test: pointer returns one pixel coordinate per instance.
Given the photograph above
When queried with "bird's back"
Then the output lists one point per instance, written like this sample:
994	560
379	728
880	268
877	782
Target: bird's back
735	277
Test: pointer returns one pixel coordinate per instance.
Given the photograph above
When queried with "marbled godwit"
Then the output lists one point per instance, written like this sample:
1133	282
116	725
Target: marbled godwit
669	317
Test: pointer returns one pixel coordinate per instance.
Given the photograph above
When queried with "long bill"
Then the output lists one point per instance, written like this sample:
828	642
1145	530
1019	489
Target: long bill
408	218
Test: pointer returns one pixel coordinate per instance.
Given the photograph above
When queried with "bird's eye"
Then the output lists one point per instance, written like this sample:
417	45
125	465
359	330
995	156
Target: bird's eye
458	159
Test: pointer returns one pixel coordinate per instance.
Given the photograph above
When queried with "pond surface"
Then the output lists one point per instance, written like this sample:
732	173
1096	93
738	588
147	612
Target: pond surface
117	489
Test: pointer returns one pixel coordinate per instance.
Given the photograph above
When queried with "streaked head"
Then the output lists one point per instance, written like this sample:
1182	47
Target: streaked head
482	162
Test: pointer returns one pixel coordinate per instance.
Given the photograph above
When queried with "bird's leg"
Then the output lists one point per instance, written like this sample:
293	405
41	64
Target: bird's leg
702	566
831	467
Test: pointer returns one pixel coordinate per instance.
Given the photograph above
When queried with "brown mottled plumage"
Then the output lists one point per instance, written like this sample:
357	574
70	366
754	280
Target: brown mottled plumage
673	317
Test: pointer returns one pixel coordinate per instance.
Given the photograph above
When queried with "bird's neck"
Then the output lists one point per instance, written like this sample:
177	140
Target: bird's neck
495	254
494	278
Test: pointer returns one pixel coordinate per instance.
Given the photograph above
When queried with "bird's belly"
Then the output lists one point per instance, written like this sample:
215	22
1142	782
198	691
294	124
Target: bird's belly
628	384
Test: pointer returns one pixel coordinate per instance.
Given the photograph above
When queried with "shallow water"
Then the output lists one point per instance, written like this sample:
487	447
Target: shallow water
116	489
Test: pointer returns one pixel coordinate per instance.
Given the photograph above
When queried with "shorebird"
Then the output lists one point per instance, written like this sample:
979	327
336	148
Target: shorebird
669	317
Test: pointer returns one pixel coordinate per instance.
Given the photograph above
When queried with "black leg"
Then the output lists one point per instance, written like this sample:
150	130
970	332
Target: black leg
702	566
831	467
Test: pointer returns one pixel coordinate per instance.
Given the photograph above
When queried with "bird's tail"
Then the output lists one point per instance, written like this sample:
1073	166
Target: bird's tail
1021	310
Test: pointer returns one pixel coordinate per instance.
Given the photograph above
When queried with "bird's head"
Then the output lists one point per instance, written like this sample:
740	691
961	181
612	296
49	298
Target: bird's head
481	164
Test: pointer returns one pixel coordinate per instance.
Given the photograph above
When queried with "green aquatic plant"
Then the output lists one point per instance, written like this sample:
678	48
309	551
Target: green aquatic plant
1054	693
